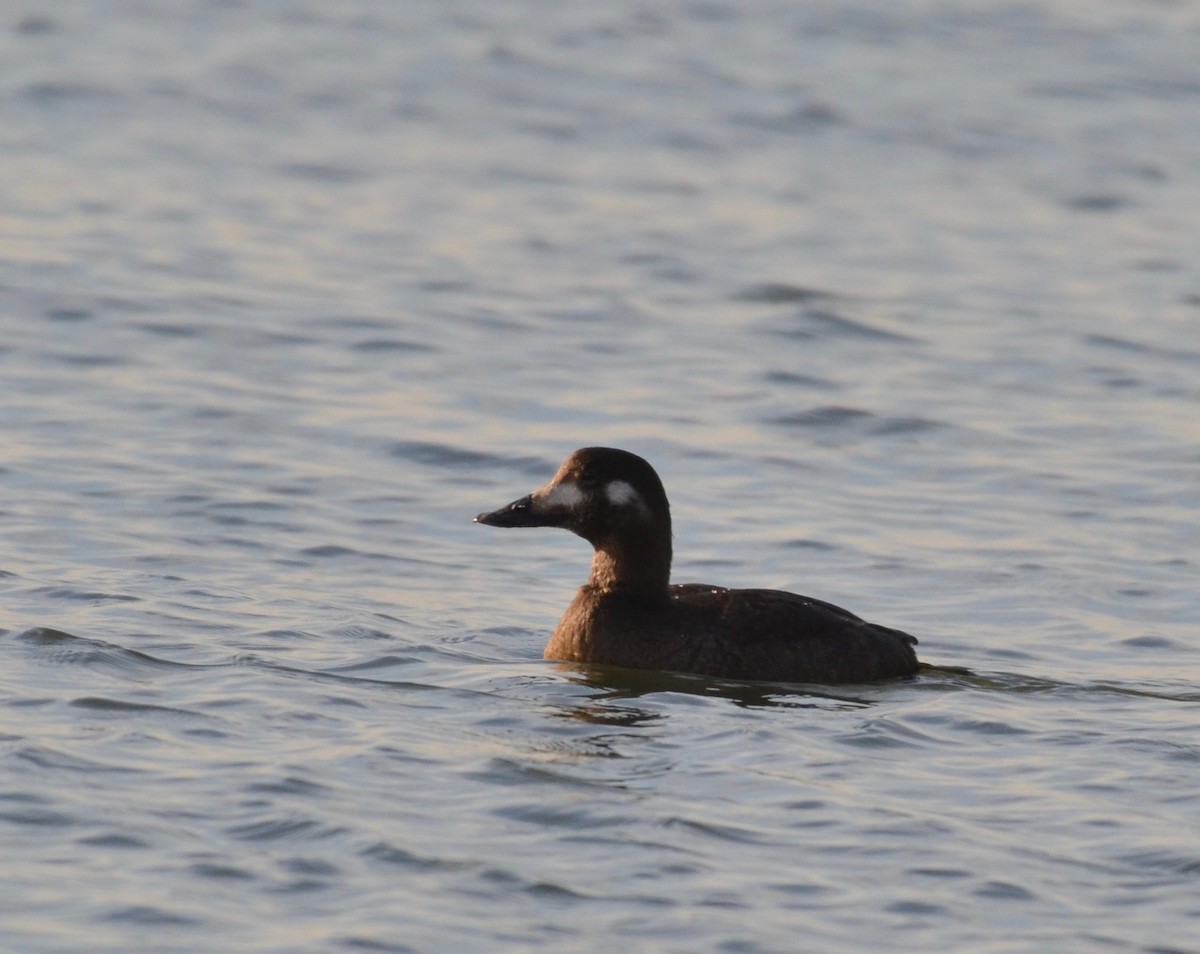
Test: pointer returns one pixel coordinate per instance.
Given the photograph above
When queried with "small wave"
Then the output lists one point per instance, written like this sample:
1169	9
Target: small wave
1141	348
103	704
278	829
325	173
804	118
1097	202
1164	860
84	596
401	857
19	808
392	344
148	915
57	647
382	662
810	323
334	551
719	830
780	293
48	758
841	417
52	93
444	455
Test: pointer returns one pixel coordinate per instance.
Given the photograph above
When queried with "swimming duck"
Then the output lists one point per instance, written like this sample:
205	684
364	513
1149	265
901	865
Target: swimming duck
629	614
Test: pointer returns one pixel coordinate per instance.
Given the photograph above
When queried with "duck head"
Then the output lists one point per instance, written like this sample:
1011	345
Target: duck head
598	493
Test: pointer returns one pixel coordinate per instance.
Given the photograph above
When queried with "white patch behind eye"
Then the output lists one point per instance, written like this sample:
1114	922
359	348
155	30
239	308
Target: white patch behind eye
566	496
620	493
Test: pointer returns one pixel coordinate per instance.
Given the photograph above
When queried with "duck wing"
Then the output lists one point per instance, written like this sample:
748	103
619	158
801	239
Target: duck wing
776	635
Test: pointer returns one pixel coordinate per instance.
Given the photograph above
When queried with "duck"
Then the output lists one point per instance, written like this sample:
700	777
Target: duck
629	614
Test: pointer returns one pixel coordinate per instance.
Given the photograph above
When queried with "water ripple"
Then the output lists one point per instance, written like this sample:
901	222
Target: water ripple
922	329
842	418
814	323
456	458
60	648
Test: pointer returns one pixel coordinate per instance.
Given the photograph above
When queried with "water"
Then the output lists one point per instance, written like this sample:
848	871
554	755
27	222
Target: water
903	304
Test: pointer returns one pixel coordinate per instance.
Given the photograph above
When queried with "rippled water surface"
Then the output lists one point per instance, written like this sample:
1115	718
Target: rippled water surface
903	302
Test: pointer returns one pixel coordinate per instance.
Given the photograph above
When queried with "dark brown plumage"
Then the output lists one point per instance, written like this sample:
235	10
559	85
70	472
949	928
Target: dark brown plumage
628	614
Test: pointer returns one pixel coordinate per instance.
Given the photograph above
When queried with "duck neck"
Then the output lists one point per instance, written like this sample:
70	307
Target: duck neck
642	566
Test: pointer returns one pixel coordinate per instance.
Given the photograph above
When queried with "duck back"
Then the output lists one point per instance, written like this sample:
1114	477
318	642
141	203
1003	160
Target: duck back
756	634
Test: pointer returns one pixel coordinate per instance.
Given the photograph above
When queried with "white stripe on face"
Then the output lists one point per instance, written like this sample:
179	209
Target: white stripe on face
620	493
563	496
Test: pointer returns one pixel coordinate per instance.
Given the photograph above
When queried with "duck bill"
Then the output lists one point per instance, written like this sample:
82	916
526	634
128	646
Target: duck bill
520	513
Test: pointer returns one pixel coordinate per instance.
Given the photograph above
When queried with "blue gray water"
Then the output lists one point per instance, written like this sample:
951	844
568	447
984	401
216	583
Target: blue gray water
902	300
